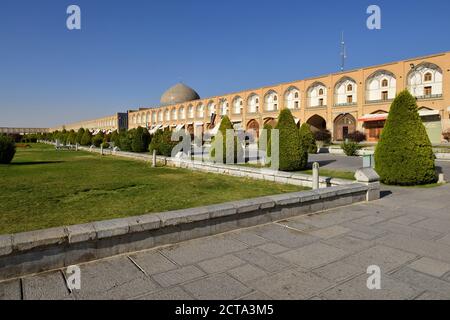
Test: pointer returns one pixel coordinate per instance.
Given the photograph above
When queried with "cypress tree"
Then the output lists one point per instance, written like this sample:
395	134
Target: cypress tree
293	156
307	138
404	155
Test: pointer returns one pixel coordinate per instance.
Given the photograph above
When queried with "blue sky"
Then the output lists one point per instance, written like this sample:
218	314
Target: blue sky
129	52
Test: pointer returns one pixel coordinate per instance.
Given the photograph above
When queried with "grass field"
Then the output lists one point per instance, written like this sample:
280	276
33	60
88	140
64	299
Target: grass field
45	188
339	174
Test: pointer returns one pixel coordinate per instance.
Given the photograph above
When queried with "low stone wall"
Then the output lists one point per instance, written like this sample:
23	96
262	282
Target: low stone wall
42	250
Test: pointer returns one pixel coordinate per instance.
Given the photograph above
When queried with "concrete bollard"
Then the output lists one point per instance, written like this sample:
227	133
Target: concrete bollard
101	149
76	147
315	176
441	178
154	159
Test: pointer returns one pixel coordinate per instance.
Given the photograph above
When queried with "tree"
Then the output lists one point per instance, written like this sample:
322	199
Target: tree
72	137
86	139
7	149
225	125
80	134
293	156
162	143
141	140
115	138
404	155
97	140
307	138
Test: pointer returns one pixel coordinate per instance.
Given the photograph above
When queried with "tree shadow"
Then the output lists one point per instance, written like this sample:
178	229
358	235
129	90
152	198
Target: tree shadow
321	163
385	193
29	163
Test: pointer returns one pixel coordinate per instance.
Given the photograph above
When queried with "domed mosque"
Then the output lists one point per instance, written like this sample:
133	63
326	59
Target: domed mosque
179	93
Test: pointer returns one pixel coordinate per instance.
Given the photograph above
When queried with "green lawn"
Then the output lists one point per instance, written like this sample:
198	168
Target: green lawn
339	174
45	188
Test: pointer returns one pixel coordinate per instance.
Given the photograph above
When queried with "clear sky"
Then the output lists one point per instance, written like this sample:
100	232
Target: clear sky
129	52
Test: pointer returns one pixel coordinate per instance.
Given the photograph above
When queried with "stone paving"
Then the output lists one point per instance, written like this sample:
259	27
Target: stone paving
341	162
319	256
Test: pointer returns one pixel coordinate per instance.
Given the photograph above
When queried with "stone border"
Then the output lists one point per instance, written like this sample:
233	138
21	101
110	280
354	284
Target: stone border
43	250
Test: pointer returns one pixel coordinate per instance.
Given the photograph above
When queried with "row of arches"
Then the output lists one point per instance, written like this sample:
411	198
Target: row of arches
424	80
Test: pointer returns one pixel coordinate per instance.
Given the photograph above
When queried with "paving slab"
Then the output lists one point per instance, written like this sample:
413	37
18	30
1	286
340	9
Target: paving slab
272	248
174	293
202	249
338	271
423	281
218	287
263	260
221	264
292	284
247	273
384	257
429	266
330	232
177	276
285	236
356	288
313	255
10	290
153	262
47	286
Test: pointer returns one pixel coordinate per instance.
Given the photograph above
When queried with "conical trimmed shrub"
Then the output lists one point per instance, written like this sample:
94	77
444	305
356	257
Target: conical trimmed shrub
292	155
404	155
7	149
307	138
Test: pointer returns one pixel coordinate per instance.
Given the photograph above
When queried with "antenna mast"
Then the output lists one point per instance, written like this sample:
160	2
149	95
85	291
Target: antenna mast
343	52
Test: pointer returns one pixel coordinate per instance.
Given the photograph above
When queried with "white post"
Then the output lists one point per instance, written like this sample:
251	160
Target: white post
154	159
101	149
76	147
315	176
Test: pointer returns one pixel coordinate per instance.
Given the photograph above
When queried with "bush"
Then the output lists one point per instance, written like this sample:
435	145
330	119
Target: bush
72	137
404	155
307	138
115	138
225	125
322	136
356	136
80	134
86	139
105	145
162	143
7	149
126	140
97	140
141	140
292	155
351	148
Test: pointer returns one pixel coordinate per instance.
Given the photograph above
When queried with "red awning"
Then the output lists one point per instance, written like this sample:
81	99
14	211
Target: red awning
373	117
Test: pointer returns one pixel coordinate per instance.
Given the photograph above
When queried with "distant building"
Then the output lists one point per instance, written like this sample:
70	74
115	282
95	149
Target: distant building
340	102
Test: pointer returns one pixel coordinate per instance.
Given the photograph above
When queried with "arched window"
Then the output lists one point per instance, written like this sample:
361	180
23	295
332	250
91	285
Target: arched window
428	77
349	87
384	83
320	92
296	95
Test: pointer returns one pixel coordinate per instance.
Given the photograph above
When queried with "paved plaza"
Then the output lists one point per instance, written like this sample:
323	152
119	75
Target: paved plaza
319	256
